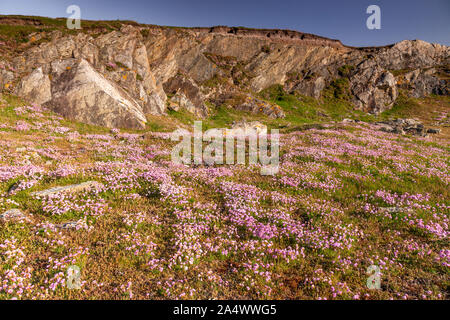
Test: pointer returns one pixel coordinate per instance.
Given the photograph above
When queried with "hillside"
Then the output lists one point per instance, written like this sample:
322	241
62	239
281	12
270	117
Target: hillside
87	178
157	70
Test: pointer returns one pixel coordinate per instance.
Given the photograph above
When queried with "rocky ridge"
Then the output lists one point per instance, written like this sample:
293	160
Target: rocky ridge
114	78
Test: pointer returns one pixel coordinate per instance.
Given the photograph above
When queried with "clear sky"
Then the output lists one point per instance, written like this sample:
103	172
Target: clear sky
345	20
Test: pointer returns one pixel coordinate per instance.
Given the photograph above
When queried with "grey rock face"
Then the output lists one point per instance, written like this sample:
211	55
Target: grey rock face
81	93
420	83
412	54
35	87
142	69
374	89
131	73
126	49
312	88
186	94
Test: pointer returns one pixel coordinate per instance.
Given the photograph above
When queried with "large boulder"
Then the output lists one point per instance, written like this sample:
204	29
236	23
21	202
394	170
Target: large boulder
248	128
126	51
310	87
186	94
35	87
374	89
6	78
122	49
81	93
405	126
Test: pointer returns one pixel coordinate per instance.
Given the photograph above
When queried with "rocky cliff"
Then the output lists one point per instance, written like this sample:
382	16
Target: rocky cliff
115	76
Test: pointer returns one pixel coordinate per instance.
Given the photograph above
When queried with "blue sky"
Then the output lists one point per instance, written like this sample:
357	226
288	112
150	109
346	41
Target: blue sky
345	20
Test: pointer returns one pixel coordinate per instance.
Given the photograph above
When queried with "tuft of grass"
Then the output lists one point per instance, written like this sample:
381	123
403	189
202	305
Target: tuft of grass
339	89
345	70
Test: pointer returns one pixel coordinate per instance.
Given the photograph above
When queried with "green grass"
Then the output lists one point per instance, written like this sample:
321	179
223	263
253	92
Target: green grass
182	115
400	72
301	109
20	33
403	107
345	70
339	89
110	262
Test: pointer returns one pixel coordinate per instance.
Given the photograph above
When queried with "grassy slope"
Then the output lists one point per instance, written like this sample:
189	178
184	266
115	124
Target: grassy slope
133	214
303	111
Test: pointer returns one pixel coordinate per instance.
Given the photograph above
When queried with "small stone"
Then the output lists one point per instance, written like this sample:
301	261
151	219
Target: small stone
394	210
173	107
73	225
13	188
387	128
70	189
412	122
433	131
69	225
13	215
247	128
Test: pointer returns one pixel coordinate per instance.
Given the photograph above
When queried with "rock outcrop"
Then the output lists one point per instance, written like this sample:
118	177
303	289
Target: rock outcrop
256	105
373	88
81	93
311	87
185	93
126	88
35	87
406	126
422	82
137	67
412	54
